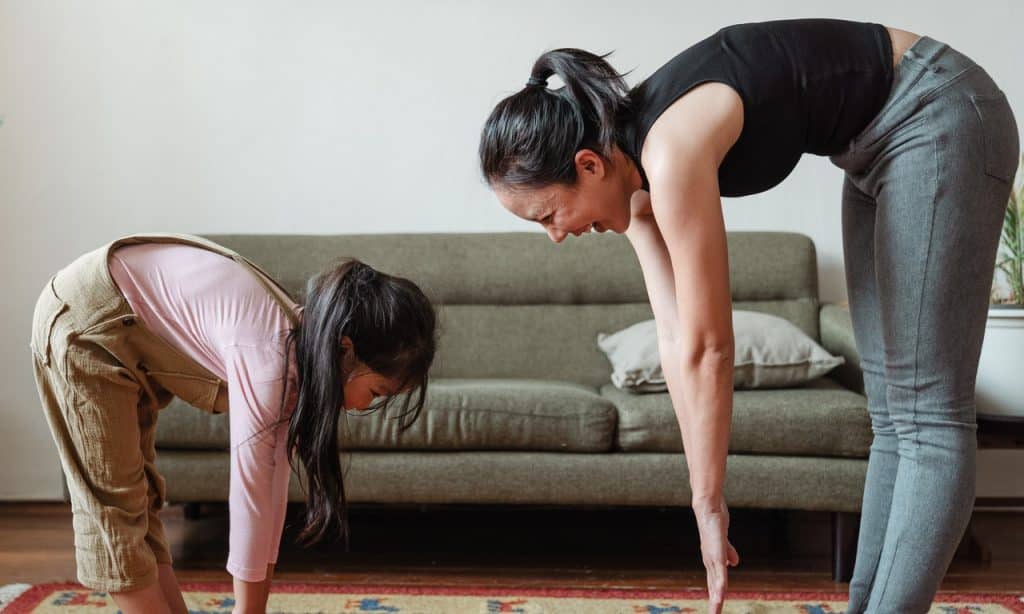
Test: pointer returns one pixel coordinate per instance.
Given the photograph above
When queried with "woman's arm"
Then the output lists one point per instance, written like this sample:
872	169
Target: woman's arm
684	251
655	264
695	350
689	292
682	154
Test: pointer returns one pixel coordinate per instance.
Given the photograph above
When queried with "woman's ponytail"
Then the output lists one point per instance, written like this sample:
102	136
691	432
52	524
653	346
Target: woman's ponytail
531	137
595	90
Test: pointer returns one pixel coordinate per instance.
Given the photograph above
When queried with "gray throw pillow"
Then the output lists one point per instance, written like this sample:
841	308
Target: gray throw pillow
771	352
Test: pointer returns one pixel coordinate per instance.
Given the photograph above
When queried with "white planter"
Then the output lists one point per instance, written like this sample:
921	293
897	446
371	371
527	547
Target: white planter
999	392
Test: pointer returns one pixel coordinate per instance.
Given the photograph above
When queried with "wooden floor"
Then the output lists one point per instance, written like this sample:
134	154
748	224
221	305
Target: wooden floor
652	548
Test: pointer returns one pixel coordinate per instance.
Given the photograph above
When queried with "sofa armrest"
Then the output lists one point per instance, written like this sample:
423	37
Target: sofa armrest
837	337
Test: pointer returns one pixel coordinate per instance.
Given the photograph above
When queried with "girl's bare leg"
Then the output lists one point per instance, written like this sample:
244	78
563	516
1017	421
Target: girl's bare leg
149	600
172	592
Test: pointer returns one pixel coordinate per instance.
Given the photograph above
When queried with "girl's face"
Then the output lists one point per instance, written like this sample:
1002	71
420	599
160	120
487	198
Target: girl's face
599	200
363	385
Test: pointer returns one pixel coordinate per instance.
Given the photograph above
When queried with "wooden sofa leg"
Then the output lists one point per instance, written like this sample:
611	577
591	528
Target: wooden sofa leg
845	528
192	511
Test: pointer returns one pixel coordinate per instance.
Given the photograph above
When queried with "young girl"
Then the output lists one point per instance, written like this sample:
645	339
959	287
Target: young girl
929	146
126	327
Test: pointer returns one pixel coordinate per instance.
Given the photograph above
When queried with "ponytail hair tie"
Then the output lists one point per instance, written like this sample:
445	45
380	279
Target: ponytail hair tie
535	81
366	272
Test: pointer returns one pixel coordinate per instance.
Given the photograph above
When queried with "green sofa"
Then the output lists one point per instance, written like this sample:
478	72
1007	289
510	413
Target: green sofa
521	409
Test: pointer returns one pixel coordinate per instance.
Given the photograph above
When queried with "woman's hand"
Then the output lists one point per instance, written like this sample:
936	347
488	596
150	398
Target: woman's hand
716	551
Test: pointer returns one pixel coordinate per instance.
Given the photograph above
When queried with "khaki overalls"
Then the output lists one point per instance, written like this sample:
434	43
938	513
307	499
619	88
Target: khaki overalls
102	377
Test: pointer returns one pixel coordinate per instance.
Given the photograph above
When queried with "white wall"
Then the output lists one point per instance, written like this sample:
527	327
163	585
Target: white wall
323	117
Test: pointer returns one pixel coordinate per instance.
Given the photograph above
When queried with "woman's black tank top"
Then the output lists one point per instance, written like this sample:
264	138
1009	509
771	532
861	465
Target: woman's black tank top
807	85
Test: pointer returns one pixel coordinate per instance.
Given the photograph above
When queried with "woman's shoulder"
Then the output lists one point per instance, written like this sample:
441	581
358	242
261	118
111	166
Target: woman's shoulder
705	123
695	85
686	61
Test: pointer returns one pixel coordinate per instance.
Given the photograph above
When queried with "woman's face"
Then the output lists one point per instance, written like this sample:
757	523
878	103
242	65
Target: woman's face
599	200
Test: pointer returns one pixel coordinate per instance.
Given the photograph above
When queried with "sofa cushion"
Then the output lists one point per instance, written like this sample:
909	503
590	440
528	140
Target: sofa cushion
459	414
820	418
771	352
548	478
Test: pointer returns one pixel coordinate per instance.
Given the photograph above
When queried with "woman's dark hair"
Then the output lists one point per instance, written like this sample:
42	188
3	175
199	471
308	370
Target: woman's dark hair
531	138
392	327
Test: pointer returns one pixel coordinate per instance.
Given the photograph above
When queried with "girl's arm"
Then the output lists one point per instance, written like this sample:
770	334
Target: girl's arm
259	469
251	597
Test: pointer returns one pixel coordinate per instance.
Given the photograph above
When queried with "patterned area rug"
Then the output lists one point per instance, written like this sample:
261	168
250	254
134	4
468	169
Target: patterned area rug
292	598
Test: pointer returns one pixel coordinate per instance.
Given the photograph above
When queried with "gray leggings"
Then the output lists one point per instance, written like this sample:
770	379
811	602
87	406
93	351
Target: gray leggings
926	187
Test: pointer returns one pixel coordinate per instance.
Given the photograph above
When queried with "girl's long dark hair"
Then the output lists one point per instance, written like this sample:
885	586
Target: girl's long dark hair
392	327
531	137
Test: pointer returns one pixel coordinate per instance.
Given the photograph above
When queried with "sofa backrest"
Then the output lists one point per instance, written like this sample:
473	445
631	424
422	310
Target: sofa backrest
515	304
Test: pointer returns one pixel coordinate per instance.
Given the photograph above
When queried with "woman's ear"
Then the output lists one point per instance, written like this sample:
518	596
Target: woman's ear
588	162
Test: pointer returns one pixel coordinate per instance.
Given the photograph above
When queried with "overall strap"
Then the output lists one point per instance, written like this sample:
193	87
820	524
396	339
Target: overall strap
276	290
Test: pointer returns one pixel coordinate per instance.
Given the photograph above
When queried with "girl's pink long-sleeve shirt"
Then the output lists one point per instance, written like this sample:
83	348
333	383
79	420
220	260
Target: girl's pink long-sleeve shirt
216	311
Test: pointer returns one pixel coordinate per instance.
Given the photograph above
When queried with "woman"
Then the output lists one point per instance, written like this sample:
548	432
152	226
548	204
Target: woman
126	327
929	146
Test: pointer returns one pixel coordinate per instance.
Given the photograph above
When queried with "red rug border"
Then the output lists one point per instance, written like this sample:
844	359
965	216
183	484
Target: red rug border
31	597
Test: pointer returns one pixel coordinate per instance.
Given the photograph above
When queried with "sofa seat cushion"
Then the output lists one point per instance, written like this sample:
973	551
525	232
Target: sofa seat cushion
459	414
820	418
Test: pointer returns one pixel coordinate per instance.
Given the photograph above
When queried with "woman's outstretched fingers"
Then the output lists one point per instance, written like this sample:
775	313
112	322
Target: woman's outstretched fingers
717	584
716	552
